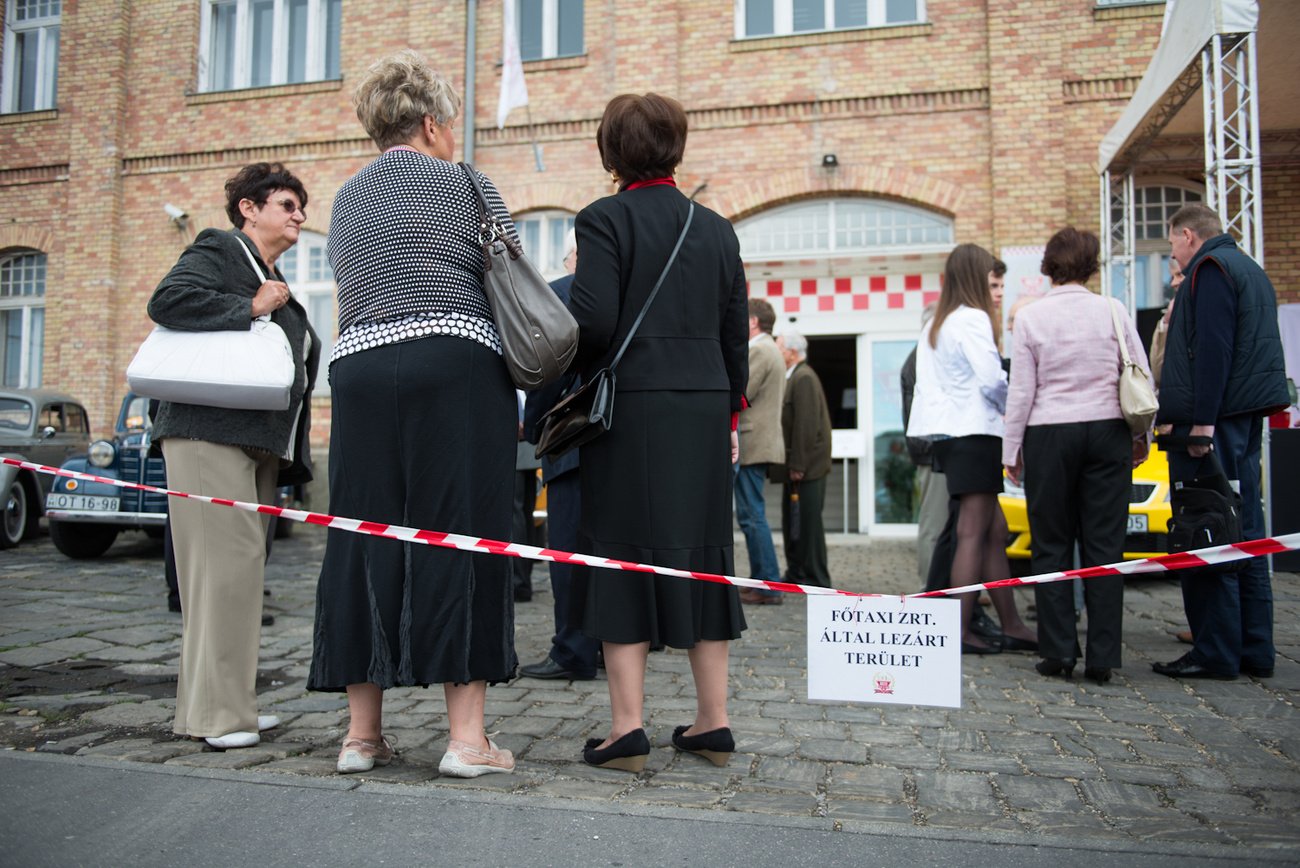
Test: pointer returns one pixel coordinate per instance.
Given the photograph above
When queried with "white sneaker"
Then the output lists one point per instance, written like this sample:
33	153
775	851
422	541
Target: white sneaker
267	721
234	739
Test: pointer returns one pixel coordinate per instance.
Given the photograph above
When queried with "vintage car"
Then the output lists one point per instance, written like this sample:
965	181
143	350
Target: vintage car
86	517
44	428
1148	515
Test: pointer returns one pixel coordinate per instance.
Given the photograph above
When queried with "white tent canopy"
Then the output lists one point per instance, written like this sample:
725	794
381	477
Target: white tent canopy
1187	30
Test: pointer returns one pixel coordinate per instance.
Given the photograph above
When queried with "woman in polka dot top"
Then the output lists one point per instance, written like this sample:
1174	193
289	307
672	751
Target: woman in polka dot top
424	422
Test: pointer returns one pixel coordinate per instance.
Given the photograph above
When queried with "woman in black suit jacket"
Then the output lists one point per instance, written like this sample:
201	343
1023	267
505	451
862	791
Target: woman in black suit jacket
657	487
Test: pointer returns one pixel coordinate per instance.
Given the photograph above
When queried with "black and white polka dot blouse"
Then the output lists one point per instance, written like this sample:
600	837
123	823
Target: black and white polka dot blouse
403	243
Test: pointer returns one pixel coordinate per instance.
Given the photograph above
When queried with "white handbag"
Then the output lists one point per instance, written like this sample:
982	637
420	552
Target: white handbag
238	370
1137	398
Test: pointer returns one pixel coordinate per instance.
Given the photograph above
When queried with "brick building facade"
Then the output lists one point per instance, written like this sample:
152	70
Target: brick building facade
970	120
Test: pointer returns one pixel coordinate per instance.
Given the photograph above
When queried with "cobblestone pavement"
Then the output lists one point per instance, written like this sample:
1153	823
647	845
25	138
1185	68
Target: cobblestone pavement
89	660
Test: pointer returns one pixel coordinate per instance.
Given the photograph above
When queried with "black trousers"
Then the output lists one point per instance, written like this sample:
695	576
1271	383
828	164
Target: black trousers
1078	477
805	558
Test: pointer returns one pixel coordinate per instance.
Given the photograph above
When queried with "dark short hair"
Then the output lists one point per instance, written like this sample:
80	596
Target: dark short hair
255	183
1198	217
641	137
758	307
1071	256
999	268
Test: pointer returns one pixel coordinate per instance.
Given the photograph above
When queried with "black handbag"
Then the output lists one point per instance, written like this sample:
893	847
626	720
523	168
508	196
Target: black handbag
588	411
539	337
1206	509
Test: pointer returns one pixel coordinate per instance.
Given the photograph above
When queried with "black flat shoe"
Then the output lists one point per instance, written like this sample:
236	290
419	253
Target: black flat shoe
1050	666
716	746
1097	674
1015	643
628	753
967	648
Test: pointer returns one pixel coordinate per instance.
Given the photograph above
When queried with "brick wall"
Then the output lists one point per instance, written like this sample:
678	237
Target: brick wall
989	113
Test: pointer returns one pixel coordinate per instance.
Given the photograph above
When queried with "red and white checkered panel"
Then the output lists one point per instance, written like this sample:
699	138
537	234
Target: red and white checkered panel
848	294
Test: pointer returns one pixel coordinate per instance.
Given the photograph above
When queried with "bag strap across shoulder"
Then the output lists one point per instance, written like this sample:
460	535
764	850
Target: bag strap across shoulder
690	215
490	228
257	269
1119	333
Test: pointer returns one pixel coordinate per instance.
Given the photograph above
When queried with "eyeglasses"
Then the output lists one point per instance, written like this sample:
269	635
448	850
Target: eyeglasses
289	206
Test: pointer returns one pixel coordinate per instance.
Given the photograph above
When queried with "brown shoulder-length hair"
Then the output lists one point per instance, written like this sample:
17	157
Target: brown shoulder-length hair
641	138
965	281
1071	257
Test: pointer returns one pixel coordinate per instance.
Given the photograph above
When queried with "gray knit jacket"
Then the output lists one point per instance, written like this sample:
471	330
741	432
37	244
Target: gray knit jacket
211	288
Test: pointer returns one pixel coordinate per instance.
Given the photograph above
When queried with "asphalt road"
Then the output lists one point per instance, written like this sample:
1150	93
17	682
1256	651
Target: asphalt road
65	812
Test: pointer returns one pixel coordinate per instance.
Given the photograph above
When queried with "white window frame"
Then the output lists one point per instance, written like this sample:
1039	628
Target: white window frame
316	47
550	266
783	18
319	294
47	54
30	364
749	229
1151	255
551	30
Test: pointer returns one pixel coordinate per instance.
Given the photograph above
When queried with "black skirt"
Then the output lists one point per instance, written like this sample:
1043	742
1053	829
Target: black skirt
971	464
423	434
657	489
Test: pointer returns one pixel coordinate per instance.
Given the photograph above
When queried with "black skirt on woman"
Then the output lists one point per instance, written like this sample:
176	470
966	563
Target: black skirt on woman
657	489
423	435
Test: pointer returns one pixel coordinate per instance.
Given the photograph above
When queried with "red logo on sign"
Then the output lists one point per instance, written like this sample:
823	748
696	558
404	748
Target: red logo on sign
884	683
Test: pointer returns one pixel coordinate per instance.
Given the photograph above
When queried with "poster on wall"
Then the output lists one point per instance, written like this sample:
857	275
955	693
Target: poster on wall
1024	280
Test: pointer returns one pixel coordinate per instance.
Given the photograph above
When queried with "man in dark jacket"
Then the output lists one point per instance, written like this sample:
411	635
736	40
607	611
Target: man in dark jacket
806	424
572	655
1223	373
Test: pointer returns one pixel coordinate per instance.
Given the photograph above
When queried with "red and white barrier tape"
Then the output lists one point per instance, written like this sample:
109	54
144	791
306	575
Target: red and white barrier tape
1163	563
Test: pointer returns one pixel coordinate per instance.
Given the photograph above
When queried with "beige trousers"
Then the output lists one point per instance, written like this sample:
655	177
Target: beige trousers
933	515
220	555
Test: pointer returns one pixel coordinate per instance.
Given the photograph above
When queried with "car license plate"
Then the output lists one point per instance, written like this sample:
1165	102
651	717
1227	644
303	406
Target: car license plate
81	502
1137	524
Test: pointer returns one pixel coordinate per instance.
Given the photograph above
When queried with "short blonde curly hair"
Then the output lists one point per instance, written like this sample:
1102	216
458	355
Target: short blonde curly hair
398	92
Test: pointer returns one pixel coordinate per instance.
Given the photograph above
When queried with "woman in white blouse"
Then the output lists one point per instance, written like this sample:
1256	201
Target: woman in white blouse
961	393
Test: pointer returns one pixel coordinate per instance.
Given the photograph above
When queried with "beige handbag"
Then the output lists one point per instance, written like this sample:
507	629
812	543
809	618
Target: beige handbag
1137	398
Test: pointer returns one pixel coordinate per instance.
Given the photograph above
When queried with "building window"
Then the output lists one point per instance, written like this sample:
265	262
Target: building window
257	43
22	319
758	18
542	234
307	271
549	28
1153	207
31	55
841	226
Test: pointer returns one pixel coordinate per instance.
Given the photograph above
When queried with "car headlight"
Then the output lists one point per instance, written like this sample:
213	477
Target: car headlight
102	453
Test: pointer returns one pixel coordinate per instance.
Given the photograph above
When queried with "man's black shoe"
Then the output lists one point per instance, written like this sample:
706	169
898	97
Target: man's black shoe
267	619
548	668
1183	667
1257	671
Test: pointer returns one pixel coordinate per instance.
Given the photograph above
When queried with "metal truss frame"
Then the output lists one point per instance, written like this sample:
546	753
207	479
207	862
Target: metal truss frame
1233	182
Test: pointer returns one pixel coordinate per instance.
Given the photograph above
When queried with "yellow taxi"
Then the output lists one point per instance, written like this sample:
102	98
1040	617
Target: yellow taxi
1148	515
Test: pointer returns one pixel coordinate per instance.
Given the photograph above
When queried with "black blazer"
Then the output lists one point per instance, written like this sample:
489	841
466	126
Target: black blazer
695	336
212	287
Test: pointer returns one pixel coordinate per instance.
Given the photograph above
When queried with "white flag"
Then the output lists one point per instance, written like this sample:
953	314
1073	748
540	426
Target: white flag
513	90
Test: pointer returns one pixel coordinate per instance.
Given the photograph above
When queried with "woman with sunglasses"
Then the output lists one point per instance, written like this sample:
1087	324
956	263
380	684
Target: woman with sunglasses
225	280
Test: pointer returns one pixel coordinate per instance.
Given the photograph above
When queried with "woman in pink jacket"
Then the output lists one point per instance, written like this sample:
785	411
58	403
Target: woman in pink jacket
1066	436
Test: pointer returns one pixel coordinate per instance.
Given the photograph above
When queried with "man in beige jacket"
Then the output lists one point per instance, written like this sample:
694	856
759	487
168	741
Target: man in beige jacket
761	444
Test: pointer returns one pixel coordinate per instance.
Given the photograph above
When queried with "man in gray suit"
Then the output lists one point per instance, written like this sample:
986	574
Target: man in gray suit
761	444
